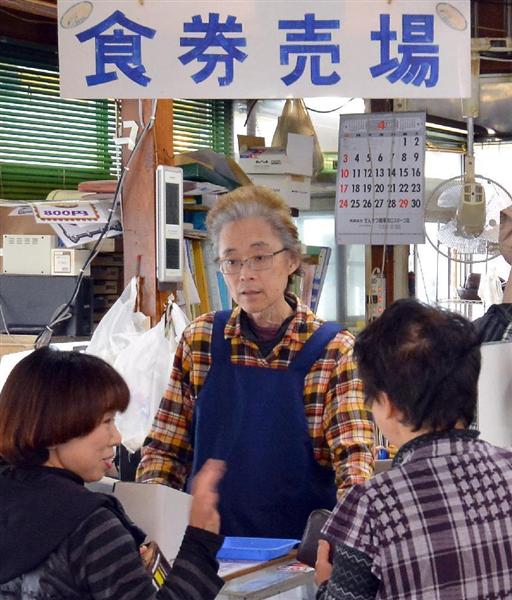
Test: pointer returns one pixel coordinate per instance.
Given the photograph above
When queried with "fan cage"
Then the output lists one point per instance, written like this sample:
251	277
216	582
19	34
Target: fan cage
492	251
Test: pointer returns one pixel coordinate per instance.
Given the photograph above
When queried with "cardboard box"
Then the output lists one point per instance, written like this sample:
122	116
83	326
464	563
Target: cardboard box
113	244
294	189
106	273
12	349
161	511
295	159
113	259
103	303
16	343
107	287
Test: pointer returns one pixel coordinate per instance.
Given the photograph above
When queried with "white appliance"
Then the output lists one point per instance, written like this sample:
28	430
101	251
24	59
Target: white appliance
495	394
28	254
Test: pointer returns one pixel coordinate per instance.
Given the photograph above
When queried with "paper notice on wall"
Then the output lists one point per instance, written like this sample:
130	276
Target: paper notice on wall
83	212
76	234
73	212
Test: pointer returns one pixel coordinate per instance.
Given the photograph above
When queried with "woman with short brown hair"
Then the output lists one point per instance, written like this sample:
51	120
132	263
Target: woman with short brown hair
58	539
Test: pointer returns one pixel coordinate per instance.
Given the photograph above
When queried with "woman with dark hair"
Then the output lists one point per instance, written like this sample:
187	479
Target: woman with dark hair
268	387
439	523
58	539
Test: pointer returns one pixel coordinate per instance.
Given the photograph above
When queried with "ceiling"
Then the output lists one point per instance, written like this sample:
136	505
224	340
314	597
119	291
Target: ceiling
41	8
494	110
35	20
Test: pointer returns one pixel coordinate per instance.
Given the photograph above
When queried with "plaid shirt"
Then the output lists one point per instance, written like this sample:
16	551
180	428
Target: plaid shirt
438	525
340	426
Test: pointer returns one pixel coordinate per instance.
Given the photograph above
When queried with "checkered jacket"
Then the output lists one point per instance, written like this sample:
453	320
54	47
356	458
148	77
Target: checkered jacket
340	426
437	525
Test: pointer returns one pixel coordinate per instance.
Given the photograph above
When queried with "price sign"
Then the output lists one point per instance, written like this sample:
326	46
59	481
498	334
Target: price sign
380	179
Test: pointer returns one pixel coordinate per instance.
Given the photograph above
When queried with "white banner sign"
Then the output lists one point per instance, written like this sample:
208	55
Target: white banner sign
380	179
264	48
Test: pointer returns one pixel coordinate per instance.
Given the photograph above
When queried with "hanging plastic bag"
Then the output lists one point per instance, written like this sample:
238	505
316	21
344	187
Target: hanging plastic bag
146	365
295	119
490	289
119	326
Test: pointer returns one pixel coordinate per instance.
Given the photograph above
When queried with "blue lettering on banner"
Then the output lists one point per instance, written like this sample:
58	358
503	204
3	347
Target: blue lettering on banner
303	48
417	65
119	49
213	31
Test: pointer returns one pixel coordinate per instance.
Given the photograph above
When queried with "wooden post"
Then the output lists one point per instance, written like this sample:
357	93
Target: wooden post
377	250
139	206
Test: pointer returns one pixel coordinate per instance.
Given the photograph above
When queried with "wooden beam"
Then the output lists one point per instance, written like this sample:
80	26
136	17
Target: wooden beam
35	29
377	253
40	8
163	133
139	207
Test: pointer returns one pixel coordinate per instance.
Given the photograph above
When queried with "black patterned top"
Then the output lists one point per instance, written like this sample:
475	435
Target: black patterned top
437	525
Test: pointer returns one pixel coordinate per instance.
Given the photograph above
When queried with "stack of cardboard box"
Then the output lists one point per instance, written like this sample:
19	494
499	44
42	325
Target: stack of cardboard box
107	272
287	171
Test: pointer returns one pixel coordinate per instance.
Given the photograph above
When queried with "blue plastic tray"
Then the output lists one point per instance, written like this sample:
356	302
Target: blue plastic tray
248	548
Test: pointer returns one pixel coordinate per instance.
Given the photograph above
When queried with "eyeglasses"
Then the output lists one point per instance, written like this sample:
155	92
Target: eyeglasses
260	262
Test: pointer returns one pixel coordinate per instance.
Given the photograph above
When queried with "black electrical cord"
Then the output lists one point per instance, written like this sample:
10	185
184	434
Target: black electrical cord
251	108
331	110
63	313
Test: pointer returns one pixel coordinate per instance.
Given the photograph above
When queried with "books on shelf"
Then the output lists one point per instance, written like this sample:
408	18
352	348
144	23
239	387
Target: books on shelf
200	276
204	287
308	287
212	292
324	254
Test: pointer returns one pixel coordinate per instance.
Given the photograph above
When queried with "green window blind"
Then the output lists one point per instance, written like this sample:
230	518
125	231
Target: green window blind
203	124
47	142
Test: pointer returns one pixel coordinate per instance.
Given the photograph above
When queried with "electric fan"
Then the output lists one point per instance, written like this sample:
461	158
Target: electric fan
467	210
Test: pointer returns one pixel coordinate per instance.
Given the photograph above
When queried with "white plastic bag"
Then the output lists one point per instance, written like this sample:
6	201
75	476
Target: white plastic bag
143	357
146	365
490	290
119	327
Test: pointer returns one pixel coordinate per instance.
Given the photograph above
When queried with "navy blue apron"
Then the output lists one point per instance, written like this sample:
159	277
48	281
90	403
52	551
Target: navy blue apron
254	419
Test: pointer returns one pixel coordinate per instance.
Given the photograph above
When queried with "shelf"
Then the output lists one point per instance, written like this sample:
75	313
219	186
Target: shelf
196	207
458	301
195	234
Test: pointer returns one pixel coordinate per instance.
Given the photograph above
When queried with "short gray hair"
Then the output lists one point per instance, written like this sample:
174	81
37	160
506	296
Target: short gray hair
254	201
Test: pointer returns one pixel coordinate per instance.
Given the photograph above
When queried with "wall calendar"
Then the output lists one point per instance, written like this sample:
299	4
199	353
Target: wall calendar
380	179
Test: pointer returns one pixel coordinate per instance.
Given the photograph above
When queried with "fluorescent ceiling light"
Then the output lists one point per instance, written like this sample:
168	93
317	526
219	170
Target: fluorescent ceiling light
446	128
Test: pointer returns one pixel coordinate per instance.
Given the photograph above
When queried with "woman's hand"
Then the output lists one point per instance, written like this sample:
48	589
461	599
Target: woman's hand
323	568
203	511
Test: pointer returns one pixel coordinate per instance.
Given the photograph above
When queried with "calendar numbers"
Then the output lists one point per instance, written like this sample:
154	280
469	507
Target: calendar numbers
380	179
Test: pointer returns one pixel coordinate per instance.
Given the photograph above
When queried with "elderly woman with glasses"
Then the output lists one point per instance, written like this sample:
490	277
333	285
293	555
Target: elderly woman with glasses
268	387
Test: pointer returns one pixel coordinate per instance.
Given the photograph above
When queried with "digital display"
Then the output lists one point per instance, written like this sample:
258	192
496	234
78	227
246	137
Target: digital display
172	204
169	221
172	254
